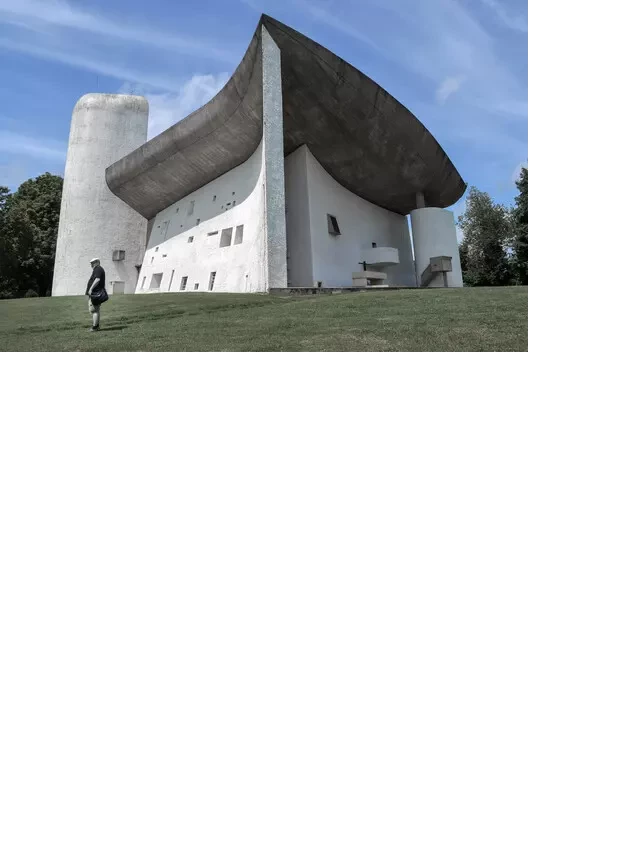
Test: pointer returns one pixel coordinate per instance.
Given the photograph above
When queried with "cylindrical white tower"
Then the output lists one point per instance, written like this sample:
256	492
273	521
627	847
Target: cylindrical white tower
434	235
94	223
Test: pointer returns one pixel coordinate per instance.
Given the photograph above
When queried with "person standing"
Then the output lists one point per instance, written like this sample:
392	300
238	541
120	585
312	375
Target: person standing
97	292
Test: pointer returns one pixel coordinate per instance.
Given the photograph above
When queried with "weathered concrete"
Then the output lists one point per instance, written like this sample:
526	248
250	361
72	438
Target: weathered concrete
93	222
434	234
362	136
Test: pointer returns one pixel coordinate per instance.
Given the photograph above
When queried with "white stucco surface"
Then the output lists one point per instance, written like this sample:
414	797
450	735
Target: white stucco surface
93	221
312	194
233	200
434	233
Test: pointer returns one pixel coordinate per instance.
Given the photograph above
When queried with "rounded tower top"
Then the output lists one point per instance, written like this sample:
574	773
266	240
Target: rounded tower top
114	103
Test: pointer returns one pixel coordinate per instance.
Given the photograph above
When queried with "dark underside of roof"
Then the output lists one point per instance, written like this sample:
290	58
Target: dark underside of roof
361	135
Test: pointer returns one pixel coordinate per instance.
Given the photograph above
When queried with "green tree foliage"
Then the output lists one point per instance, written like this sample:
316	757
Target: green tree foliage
520	223
487	229
28	233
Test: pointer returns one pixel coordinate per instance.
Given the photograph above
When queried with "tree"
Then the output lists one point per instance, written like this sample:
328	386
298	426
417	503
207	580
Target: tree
486	228
520	222
28	234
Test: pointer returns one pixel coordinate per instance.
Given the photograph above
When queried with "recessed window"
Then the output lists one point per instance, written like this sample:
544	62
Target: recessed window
225	237
171	280
211	233
156	249
164	256
197	222
196	286
374	245
239	235
183	283
118	255
192	204
143	281
332	223
177	210
212	280
190	240
234	204
215	197
232	193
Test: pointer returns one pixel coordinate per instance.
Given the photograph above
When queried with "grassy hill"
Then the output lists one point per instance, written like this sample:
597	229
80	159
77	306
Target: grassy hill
447	320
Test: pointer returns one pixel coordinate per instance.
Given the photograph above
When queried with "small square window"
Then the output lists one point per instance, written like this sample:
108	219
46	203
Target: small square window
215	197
196	285
212	280
192	204
332	223
118	255
197	222
183	283
156	249
225	237
239	235
190	240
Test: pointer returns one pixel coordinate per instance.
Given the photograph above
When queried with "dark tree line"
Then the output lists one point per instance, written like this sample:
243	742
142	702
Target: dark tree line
28	233
494	248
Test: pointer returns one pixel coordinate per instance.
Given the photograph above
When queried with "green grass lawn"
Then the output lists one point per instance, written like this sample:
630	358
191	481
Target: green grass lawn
441	320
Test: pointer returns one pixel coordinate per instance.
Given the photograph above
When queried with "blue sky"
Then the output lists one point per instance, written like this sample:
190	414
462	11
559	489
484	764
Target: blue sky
459	65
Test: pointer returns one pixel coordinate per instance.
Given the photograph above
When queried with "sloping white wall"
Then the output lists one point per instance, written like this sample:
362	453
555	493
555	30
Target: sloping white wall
234	199
312	194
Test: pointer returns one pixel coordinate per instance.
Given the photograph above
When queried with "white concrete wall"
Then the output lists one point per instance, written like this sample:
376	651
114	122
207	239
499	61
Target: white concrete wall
93	221
299	255
313	193
234	199
434	233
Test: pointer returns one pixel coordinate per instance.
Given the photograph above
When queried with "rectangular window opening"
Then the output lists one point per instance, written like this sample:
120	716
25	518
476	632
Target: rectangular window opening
192	204
332	223
190	240
183	283
239	235
171	279
212	280
196	286
225	237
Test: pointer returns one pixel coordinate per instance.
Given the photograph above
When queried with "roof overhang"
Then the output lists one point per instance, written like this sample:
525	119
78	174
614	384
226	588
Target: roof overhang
361	135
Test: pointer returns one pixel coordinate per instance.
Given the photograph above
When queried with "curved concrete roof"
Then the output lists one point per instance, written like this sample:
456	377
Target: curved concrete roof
363	137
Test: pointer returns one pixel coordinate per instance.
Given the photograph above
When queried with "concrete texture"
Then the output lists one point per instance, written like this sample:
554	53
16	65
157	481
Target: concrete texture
365	139
93	222
434	234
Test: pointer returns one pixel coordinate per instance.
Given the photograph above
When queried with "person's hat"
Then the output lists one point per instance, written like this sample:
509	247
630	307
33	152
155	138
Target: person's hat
93	260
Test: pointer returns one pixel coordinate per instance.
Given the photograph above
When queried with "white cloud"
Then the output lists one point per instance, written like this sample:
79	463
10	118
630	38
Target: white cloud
30	146
63	15
512	22
448	86
169	107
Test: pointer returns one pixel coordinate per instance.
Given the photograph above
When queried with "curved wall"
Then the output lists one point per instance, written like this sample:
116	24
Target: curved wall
434	233
315	254
93	221
185	238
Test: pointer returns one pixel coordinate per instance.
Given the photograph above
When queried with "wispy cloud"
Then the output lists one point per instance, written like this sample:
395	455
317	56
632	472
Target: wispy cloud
90	63
447	88
511	21
61	14
30	146
167	108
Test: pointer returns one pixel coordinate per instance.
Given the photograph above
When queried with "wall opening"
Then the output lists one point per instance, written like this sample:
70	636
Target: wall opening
190	240
192	204
239	235
225	237
196	286
171	280
332	224
212	280
156	278
183	283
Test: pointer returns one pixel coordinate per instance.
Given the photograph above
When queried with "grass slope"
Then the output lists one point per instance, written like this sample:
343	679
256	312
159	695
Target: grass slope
448	320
